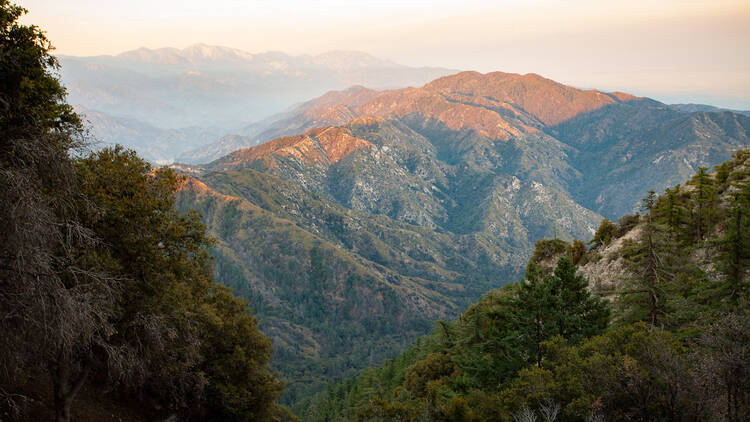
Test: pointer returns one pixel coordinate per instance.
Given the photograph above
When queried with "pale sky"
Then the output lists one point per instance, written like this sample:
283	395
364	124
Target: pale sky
671	50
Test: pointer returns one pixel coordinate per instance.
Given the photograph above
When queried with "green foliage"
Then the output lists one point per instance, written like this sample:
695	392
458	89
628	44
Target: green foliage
547	248
486	343
576	251
734	245
704	200
629	373
433	367
214	357
32	98
650	261
557	305
239	385
604	234
671	212
577	314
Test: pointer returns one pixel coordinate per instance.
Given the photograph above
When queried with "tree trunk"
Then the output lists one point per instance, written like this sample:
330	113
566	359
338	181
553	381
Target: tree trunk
66	387
651	272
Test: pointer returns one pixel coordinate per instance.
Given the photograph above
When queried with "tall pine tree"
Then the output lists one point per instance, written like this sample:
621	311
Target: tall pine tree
704	203
651	260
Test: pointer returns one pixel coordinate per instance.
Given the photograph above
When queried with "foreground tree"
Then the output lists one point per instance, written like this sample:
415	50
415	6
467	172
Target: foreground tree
181	339
55	303
102	282
724	363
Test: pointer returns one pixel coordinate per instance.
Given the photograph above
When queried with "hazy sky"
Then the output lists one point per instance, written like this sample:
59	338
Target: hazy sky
672	50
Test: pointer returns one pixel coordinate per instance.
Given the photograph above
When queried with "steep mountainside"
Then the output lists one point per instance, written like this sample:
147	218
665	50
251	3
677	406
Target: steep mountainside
706	107
434	193
384	167
628	150
336	289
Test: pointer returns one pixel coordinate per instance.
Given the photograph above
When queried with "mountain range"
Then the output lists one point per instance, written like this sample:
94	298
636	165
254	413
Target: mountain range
204	86
199	103
376	212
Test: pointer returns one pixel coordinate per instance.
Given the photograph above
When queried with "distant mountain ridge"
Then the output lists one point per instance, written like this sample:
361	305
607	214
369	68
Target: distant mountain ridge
706	108
204	54
204	85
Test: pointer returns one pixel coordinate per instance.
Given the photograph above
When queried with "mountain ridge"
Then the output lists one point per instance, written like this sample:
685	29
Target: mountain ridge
492	105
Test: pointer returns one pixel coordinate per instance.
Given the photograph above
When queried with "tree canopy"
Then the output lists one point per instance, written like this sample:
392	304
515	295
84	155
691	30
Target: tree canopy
102	282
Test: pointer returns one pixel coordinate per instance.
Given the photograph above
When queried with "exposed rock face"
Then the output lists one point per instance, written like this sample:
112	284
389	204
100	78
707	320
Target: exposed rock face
607	273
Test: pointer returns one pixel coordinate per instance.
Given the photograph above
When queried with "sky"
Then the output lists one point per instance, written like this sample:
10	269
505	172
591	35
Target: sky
671	50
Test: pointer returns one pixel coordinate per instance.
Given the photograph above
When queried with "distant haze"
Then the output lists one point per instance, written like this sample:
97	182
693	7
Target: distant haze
672	50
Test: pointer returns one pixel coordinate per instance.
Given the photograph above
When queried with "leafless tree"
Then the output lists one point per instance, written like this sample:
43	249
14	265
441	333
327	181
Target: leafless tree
595	417
55	303
524	415
549	410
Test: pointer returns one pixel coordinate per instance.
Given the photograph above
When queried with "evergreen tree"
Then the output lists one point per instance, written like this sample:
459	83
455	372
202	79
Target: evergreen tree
534	315
603	234
575	312
704	203
559	304
575	251
670	212
486	342
651	260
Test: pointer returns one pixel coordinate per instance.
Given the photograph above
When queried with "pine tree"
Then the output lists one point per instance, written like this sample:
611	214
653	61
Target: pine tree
559	304
576	314
704	199
650	260
533	317
670	211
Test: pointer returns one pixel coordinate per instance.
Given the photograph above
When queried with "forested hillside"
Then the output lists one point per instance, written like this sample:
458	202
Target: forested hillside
417	201
652	324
